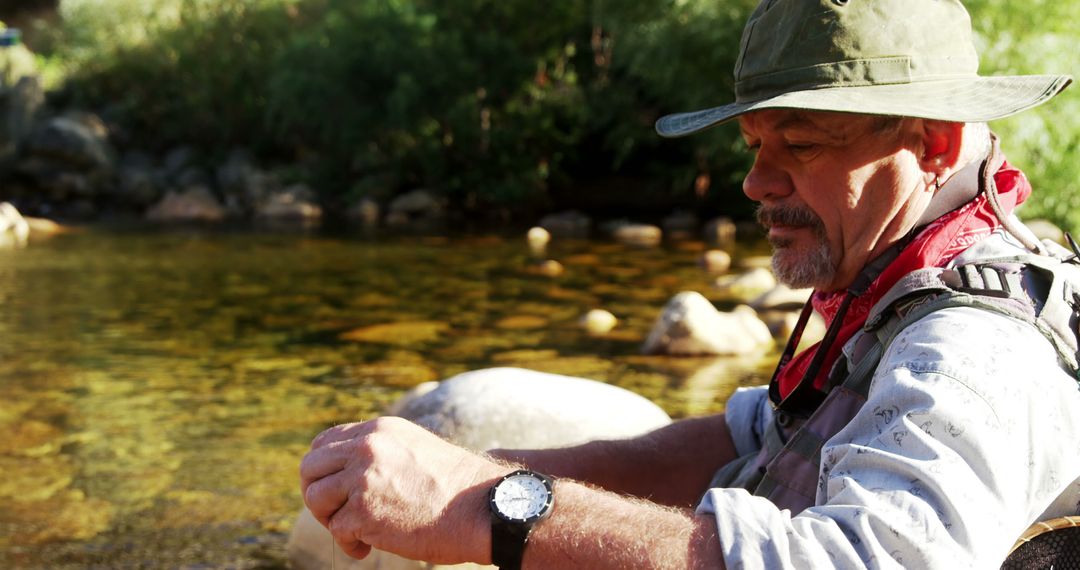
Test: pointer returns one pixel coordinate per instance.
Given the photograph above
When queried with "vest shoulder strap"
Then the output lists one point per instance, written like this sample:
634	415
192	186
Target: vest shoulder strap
1042	290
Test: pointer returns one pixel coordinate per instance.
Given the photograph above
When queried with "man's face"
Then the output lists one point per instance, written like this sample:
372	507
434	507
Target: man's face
835	190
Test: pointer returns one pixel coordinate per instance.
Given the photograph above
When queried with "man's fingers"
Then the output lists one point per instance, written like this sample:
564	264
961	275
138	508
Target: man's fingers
356	549
324	462
345	533
337	433
325	497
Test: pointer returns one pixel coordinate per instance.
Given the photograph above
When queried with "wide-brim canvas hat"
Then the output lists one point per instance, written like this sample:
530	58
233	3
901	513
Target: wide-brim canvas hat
908	58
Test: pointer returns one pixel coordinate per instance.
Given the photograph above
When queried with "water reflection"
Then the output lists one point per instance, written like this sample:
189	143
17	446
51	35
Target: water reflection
158	389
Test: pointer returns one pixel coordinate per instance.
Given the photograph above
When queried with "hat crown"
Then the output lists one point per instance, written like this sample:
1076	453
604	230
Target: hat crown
795	45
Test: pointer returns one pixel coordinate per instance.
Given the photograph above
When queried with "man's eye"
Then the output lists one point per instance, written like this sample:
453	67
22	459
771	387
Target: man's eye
801	147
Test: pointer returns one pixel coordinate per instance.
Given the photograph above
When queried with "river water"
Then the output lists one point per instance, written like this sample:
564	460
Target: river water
158	388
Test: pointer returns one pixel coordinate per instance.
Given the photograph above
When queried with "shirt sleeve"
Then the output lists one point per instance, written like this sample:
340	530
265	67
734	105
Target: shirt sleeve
944	466
748	413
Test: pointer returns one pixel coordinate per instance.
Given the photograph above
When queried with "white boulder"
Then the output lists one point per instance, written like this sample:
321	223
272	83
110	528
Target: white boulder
14	229
745	287
690	325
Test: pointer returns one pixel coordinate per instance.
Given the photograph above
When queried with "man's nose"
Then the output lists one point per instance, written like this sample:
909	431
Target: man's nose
765	181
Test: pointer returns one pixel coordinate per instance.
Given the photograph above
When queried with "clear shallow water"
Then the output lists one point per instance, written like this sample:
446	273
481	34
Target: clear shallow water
157	389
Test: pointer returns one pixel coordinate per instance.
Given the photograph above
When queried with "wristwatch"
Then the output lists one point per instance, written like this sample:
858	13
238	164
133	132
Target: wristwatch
517	502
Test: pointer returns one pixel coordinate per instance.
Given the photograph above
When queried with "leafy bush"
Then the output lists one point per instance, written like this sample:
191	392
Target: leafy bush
464	97
186	71
494	103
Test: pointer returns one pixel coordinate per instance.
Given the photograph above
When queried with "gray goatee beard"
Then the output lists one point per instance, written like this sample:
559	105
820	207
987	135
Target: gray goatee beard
799	268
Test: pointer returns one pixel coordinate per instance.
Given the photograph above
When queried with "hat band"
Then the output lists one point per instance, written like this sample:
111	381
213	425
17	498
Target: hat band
850	73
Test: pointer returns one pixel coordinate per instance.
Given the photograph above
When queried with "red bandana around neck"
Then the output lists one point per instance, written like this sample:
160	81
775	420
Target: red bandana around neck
935	246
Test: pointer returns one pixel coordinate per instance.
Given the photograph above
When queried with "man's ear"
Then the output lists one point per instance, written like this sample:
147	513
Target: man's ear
942	142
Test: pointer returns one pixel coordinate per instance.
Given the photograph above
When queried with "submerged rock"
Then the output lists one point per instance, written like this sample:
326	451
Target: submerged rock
521	322
547	268
690	325
399	373
402	333
485	409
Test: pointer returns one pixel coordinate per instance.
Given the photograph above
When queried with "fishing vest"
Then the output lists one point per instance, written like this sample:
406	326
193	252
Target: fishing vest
1042	290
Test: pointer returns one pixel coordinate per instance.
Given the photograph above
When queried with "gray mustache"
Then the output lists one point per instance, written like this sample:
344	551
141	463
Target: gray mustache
787	216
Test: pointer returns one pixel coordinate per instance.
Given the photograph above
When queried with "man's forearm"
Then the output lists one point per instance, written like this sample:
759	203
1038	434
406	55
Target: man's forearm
671	465
595	529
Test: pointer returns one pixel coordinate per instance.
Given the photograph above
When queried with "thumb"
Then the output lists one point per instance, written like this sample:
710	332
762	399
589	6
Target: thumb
356	549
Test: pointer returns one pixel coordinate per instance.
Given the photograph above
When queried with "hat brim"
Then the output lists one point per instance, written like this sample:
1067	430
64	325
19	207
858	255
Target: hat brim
964	100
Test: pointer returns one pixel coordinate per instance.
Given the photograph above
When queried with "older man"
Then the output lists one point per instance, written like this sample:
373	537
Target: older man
908	438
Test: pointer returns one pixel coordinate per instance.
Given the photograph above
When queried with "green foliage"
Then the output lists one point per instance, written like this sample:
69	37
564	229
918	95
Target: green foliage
677	58
490	102
1037	37
493	103
424	97
181	70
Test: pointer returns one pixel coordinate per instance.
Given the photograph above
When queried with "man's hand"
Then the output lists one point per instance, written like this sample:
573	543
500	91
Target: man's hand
390	484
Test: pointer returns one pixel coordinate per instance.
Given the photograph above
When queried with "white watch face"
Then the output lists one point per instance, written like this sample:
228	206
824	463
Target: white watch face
521	497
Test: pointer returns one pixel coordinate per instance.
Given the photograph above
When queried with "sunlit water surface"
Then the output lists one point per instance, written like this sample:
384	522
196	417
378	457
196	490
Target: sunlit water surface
158	389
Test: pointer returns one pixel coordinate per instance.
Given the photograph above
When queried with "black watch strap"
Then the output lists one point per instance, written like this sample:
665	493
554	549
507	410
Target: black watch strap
508	543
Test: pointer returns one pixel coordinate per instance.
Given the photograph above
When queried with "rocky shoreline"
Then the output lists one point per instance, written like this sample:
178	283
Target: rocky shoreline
68	165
